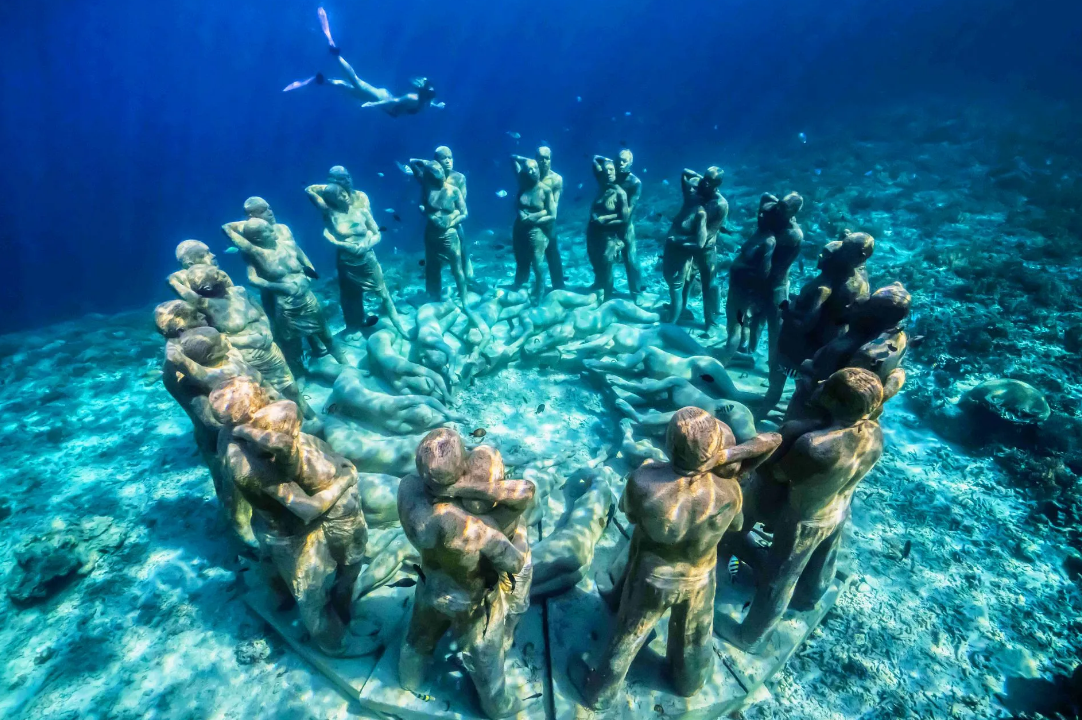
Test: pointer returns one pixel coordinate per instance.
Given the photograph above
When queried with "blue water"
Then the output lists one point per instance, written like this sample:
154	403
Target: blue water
127	126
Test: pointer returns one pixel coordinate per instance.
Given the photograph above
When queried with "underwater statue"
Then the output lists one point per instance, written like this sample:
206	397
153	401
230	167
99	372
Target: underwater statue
817	315
230	311
256	208
444	207
692	243
564	556
423	94
536	213
306	509
467	559
875	340
555	183
759	275
668	395
632	187
804	494
354	233
388	358
446	160
429	348
275	267
607	226
680	511
189	253
394	414
173	319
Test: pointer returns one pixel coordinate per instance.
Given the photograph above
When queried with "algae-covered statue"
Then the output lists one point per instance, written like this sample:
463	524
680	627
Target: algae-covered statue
817	315
393	414
444	207
632	187
446	159
536	211
306	510
274	266
350	227
759	275
555	183
692	243
680	511
608	225
458	520
231	311
189	253
804	493
173	319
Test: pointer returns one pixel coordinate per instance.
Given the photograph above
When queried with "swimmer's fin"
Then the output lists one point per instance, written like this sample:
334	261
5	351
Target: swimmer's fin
323	23
302	83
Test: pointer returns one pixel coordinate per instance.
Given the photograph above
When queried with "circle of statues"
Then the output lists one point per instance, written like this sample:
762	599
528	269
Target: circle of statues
308	492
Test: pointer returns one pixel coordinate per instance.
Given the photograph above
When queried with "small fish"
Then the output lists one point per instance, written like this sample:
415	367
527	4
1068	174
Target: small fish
380	174
371	320
404	582
706	377
405	168
818	171
580	186
479	433
533	697
499	247
907	549
578	98
746	606
664	182
383	228
803	138
540	408
644	171
420	573
623	143
397	218
490	232
421	263
734	568
515	135
916	341
331	409
627	114
715	127
501	193
801	265
869	173
231	250
388	210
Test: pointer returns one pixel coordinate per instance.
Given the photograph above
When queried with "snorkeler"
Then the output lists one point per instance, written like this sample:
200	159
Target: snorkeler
423	95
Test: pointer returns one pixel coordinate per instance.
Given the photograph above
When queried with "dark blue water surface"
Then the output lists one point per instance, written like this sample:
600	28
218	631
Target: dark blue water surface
126	126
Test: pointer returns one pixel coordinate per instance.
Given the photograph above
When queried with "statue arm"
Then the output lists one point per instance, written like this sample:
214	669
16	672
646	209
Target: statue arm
309	268
752	453
195	371
634	195
184	292
309	507
686	177
254	279
372	226
500	551
460	208
232	231
315	195
548	215
512	494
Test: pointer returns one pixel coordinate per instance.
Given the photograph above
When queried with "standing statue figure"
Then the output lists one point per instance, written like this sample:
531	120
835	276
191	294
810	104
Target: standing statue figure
447	162
230	311
759	275
817	315
608	224
536	207
444	207
632	187
306	510
680	510
692	243
805	493
189	253
276	266
458	520
554	182
350	227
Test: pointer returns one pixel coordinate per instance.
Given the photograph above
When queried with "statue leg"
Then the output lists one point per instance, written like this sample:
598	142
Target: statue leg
641	607
456	264
467	264
706	259
674	267
427	626
735	311
596	256
690	650
523	254
819	573
552	257
307	567
631	262
481	634
351	297
433	274
540	244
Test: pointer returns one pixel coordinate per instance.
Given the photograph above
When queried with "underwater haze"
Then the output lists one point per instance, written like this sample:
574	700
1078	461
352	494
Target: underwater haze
855	257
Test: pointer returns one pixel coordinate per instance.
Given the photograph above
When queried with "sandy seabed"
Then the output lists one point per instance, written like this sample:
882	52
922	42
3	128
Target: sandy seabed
151	624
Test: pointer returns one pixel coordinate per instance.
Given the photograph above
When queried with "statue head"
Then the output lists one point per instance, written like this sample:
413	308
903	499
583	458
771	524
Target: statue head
793	203
441	457
849	395
530	173
484	465
624	161
176	316
695	439
236	400
208	280
336	197
606	170
886	308
258	232
341	177
474	337
544	160
435	358
205	346
257	207
847	253
710	182
431	172
282	417
445	159
193	252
